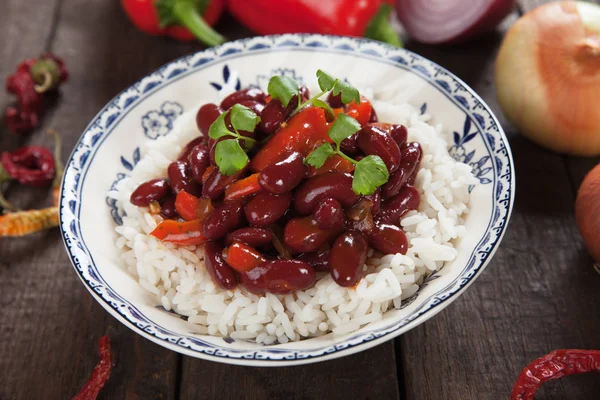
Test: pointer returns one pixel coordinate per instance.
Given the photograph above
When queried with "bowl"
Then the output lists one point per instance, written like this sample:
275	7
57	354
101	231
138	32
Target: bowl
109	148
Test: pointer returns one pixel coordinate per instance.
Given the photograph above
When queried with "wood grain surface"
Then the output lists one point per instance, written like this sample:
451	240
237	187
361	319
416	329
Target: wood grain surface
539	292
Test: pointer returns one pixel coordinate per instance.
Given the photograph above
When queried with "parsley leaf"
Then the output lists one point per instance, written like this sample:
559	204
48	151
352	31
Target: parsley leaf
283	88
230	157
318	156
327	82
369	174
344	126
243	118
218	129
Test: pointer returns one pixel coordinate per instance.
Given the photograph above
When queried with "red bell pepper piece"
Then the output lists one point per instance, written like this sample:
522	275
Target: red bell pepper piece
187	205
361	112
242	188
367	18
179	19
335	163
302	133
242	257
181	233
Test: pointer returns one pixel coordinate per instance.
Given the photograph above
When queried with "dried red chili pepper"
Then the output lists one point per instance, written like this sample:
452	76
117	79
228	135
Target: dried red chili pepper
552	366
32	78
30	165
101	372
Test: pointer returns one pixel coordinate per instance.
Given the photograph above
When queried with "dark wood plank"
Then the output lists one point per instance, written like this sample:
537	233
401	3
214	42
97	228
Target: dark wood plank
535	295
367	375
48	344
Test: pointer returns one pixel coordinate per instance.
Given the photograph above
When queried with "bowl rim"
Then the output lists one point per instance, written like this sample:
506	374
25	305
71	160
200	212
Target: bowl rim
250	46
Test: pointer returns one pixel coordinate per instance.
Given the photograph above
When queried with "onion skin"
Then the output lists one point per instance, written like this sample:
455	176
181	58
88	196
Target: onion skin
423	19
547	77
587	212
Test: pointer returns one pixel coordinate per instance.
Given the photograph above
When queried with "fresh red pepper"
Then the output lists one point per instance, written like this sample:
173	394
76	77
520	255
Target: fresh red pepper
302	133
30	165
179	19
368	18
32	78
181	233
190	207
361	112
242	188
100	374
242	257
552	366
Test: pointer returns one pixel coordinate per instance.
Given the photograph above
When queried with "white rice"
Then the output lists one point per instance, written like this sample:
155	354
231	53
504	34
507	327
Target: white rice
176	278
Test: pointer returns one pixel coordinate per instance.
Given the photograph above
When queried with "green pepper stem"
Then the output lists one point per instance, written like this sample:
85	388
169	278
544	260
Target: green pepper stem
5	204
380	28
186	13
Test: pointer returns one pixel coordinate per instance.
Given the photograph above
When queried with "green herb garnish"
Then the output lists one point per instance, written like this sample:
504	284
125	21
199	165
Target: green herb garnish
369	173
283	88
229	155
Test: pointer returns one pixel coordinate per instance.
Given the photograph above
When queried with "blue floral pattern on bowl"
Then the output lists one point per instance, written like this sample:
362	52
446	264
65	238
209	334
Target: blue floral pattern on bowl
482	128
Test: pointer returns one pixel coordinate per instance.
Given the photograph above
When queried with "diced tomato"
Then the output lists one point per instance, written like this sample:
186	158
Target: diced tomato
242	188
335	163
302	132
207	173
361	112
242	257
182	233
187	205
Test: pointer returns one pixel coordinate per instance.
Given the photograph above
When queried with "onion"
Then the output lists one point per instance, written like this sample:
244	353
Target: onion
444	21
548	76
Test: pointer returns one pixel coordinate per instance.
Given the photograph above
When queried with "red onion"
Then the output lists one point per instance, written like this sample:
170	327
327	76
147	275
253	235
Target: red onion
446	21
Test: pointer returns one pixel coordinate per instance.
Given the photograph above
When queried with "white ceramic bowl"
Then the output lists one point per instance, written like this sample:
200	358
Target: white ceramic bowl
109	148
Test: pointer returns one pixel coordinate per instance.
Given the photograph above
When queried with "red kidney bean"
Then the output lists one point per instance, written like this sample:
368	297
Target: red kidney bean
347	258
284	175
411	156
350	145
305	93
167	208
152	190
373	116
399	133
253	105
375	198
272	116
223	220
216	183
265	208
181	178
335	101
199	160
279	276
319	261
255	237
221	273
304	235
206	115
335	185
329	214
393	209
243	95
373	140
388	239
183	156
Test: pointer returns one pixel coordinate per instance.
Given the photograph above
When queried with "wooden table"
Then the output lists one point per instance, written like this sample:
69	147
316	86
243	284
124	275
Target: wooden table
539	293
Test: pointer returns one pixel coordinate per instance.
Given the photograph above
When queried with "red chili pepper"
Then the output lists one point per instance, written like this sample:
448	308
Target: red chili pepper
182	233
368	18
552	366
179	19
243	188
32	78
100	374
30	165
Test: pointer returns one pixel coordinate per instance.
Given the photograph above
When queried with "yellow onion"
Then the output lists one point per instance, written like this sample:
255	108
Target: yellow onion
587	212
548	77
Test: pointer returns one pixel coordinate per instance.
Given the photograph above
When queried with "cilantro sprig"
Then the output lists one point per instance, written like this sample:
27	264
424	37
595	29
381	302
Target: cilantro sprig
369	172
229	154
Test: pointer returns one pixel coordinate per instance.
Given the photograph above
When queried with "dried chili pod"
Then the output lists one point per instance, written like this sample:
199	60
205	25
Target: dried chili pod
100	374
30	165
